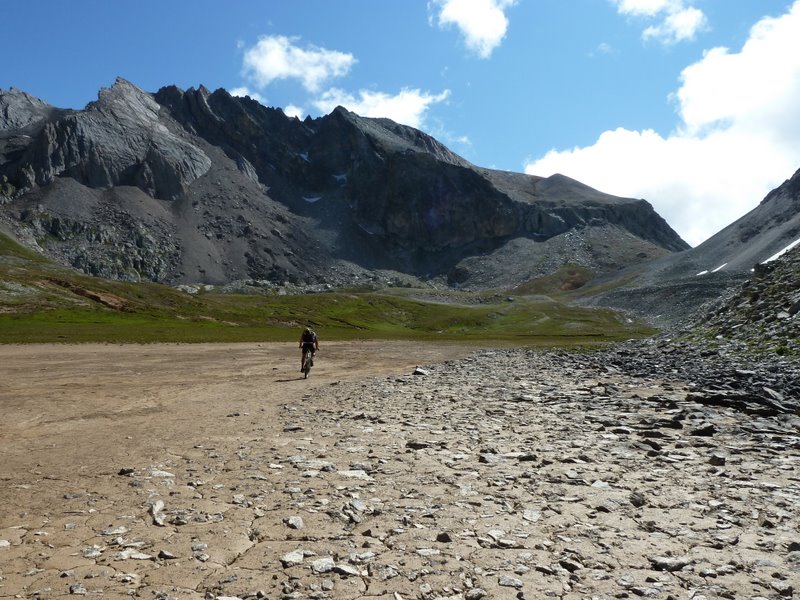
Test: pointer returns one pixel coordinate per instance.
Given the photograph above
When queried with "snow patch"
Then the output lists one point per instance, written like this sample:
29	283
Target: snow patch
304	156
719	268
340	178
782	252
312	199
702	273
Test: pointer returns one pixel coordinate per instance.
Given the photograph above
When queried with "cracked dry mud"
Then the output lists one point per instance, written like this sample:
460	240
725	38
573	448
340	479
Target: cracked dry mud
217	472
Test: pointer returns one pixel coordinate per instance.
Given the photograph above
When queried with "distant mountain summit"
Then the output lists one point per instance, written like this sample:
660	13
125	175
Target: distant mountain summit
202	187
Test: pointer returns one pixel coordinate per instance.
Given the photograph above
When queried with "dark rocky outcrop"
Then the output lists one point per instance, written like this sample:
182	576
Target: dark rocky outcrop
199	186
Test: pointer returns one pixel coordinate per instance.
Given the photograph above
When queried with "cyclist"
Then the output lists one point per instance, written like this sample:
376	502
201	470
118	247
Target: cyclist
309	342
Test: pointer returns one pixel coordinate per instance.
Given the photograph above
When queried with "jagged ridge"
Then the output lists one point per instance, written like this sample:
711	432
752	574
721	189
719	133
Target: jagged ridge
188	186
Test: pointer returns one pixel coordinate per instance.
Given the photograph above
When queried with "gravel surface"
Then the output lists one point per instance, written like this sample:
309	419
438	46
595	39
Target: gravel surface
502	474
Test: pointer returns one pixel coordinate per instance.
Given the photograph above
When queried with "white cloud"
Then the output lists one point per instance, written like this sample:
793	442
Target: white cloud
602	49
605	48
244	91
278	57
677	27
646	8
482	22
290	110
408	107
677	20
738	138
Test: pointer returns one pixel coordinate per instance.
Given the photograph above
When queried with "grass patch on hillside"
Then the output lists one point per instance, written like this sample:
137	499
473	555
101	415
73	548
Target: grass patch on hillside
10	247
42	302
568	278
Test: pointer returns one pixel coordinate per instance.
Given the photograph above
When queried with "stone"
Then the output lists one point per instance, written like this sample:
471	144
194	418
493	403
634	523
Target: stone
417	444
294	522
161	474
156	513
355	474
508	581
347	570
323	565
717	459
668	563
292	559
637	499
705	430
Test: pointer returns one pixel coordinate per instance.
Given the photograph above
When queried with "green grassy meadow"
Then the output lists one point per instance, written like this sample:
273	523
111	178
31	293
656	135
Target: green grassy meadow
43	302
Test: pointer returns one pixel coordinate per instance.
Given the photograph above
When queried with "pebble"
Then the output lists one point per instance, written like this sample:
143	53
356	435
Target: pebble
292	559
508	581
295	522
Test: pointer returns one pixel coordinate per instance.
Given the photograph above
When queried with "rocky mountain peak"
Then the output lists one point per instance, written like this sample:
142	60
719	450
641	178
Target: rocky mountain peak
19	109
127	104
254	194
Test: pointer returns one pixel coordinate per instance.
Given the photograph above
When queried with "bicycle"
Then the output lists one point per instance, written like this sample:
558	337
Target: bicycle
308	362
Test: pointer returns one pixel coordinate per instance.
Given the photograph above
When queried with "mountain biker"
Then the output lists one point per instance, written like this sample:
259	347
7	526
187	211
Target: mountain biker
309	342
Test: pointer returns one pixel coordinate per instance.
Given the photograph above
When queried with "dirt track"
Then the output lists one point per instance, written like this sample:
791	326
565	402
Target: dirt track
211	472
73	416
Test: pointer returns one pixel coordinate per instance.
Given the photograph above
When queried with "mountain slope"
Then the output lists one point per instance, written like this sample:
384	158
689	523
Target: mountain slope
194	186
671	287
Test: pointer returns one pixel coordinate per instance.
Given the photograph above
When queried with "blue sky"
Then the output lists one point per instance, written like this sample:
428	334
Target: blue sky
691	104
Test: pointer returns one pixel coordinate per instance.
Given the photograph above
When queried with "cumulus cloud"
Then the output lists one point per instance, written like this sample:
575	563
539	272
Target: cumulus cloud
280	57
244	91
738	136
483	23
409	106
676	20
290	110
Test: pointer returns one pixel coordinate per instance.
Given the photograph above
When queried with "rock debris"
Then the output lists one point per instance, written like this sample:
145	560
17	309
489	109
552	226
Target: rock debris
511	473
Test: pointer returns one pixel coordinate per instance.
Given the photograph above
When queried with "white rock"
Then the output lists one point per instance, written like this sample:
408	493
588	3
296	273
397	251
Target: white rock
295	522
159	473
292	559
532	515
115	531
356	474
323	565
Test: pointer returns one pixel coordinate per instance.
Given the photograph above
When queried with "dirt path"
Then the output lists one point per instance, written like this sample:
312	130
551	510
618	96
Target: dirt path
74	416
93	407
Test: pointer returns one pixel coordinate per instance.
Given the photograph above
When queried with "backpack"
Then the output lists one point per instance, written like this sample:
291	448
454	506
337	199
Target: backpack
309	337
